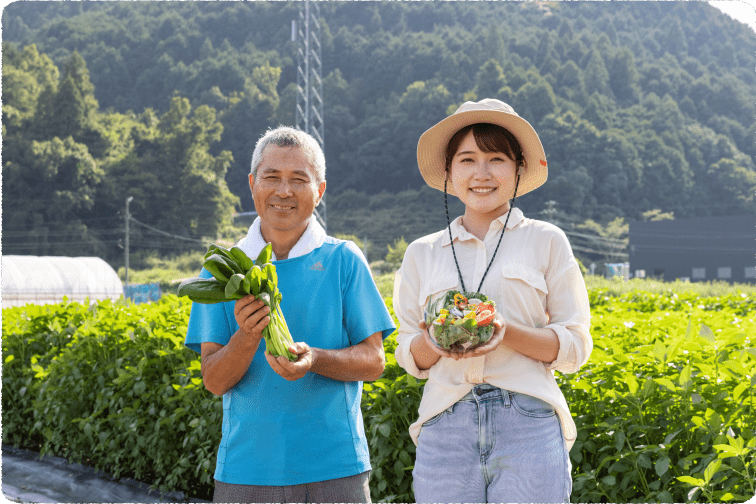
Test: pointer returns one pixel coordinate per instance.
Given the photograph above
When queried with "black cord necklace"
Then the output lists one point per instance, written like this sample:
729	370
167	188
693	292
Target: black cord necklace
451	239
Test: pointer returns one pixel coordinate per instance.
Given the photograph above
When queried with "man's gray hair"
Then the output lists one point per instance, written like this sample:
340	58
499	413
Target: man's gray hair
284	136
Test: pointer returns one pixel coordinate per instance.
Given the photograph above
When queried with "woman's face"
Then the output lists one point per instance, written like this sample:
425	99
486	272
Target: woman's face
484	181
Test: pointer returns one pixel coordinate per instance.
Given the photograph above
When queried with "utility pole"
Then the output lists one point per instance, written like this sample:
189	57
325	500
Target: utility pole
309	103
128	216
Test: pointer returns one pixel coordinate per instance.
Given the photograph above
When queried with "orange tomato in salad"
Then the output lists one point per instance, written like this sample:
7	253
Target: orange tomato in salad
485	317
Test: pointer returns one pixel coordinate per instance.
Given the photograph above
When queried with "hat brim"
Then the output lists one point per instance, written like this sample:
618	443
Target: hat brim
431	148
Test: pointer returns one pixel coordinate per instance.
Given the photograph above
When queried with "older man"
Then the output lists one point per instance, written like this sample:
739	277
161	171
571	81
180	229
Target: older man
293	431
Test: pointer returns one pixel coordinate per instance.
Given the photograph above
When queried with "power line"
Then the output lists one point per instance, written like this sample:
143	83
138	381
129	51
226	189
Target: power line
167	234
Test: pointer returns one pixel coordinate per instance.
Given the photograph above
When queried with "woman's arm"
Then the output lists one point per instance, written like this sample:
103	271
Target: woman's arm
537	343
423	351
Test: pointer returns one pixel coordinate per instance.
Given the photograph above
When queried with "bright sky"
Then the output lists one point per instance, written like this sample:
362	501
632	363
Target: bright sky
742	10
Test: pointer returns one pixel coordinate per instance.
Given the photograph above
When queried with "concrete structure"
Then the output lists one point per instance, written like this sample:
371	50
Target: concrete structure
701	249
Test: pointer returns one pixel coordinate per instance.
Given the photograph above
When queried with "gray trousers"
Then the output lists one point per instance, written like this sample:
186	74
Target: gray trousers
350	489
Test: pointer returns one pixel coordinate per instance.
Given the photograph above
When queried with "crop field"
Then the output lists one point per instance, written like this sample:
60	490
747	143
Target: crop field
665	407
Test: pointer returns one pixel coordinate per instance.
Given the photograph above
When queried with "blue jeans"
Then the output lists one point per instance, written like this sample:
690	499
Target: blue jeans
492	446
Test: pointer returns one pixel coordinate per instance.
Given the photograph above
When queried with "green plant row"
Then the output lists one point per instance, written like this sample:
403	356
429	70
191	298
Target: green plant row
112	386
665	407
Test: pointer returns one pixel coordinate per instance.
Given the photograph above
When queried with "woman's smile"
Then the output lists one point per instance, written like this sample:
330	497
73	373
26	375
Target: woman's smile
483	190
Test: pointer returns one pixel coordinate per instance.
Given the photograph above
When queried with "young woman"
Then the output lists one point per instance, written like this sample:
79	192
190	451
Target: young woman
493	425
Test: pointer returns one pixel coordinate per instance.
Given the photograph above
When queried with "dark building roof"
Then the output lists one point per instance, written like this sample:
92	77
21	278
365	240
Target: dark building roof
727	234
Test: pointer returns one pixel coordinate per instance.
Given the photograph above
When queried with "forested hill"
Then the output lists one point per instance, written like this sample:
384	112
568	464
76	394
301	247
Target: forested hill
639	105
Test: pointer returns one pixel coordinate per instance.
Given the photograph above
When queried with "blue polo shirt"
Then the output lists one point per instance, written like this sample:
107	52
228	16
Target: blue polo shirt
277	432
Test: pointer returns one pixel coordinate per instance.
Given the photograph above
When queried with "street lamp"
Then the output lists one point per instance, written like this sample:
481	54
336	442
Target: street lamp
128	200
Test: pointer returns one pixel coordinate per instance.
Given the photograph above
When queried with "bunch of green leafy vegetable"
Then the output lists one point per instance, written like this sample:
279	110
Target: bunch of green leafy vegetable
460	320
234	276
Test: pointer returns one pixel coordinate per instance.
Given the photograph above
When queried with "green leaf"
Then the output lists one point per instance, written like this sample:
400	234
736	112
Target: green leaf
737	442
254	276
202	290
244	262
609	480
619	440
220	267
738	391
265	255
712	469
707	333
234	287
659	350
685	375
384	429
644	461
662	466
691	480
732	450
664	496
667	383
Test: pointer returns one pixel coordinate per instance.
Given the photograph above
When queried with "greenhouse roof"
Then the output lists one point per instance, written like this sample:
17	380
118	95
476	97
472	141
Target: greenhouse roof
47	279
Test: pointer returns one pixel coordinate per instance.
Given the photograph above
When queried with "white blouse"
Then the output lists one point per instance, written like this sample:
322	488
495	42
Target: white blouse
534	280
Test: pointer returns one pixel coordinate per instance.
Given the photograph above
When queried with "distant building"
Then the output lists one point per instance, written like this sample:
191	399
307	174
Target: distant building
700	249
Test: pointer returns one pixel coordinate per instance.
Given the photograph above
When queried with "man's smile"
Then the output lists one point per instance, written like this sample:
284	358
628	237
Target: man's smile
282	207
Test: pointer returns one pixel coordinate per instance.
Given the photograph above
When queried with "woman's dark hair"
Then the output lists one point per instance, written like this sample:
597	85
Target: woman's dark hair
489	138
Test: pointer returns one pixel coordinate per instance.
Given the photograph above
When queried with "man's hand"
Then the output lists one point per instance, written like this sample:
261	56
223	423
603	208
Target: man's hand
252	316
292	370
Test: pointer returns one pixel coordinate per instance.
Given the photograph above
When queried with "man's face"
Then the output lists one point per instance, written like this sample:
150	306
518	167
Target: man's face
286	191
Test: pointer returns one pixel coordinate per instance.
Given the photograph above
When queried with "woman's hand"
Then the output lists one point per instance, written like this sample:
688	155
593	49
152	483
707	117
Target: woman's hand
500	325
497	337
441	352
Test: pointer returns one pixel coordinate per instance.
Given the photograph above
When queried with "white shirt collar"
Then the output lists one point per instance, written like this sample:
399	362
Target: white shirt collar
312	238
461	233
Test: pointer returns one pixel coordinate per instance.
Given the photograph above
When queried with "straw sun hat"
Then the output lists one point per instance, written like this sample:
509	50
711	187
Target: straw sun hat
431	148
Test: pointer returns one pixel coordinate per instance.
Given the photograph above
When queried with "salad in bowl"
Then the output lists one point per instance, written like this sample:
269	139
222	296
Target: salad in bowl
460	320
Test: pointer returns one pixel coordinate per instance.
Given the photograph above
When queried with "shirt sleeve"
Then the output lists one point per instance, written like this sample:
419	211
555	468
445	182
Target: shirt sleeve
365	312
408	313
568	308
208	323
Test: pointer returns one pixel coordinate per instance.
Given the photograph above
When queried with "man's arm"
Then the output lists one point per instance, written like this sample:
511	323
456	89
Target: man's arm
224	365
361	362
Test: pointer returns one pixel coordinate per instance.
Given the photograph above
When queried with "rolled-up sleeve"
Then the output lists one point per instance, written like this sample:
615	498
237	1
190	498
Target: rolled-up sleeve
568	308
408	312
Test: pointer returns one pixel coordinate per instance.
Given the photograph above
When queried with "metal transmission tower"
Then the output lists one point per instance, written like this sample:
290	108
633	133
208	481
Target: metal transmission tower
309	107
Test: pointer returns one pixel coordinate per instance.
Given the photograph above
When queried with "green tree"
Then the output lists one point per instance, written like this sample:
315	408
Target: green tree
596	76
489	80
177	185
396	252
624	77
26	74
247	117
611	238
46	187
733	182
657	215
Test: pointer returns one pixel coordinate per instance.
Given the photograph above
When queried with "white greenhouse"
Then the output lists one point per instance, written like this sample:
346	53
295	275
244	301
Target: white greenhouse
47	279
